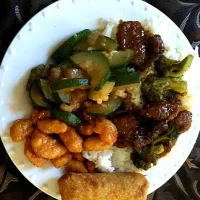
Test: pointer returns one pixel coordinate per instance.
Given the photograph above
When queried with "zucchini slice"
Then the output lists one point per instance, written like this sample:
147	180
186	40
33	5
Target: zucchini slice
31	79
67	85
119	58
125	78
66	49
36	73
62	97
102	43
37	97
105	43
105	108
67	117
74	73
95	64
46	90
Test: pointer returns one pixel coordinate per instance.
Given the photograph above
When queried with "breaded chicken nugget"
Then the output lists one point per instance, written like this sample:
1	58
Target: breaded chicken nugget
61	161
36	160
20	129
51	126
45	146
39	114
72	140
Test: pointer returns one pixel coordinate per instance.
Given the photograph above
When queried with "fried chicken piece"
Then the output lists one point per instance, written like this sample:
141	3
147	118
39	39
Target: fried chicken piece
155	45
131	35
133	133
61	161
39	114
45	146
36	160
161	110
21	129
183	121
127	126
72	140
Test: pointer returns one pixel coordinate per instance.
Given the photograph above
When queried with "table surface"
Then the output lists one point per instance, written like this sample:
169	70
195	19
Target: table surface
184	185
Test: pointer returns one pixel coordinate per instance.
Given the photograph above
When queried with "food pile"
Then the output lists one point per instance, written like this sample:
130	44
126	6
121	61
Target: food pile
101	92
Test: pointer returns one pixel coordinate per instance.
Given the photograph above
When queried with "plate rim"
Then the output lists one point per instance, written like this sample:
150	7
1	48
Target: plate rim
32	19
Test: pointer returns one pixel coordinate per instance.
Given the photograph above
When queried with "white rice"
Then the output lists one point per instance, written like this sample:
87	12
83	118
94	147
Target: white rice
113	159
102	159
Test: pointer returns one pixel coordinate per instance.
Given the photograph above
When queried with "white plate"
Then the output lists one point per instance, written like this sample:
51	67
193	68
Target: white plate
34	43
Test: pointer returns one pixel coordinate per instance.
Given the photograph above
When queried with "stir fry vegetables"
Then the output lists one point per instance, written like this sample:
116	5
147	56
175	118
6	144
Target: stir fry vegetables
67	85
105	108
101	92
118	59
68	117
66	49
96	65
160	88
97	41
173	68
37	97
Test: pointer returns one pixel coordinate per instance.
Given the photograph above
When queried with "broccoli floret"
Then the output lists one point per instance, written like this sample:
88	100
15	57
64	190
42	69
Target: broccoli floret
161	88
149	70
149	155
145	157
171	135
173	68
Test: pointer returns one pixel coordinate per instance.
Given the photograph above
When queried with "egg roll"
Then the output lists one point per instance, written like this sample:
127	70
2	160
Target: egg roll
103	186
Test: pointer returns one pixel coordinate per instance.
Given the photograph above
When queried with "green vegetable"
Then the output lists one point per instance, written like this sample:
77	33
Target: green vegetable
66	49
149	70
95	64
31	79
37	97
116	71
41	71
158	149
119	58
102	43
158	89
124	78
67	117
62	97
66	85
149	155
82	46
46	89
87	42
144	158
105	108
174	68
171	135
105	43
74	73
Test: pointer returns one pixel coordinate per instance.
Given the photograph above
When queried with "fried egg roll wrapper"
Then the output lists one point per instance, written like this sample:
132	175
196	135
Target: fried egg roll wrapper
103	186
